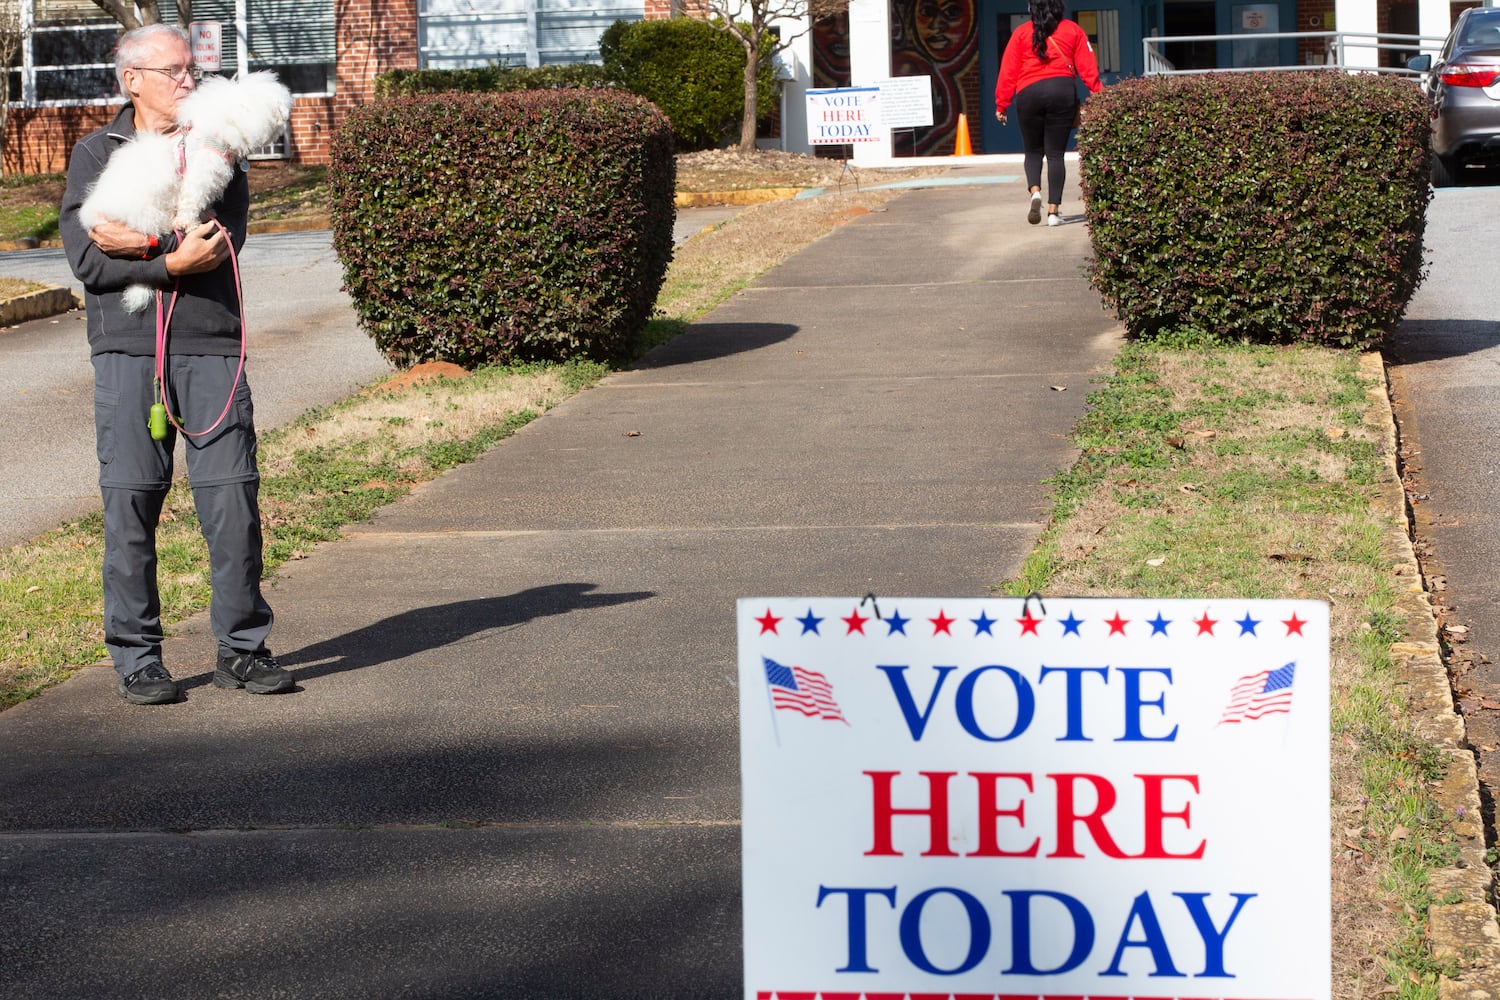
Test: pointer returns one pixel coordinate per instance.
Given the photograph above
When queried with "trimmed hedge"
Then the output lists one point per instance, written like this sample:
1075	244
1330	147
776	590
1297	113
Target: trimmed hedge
693	72
489	228
486	80
1270	207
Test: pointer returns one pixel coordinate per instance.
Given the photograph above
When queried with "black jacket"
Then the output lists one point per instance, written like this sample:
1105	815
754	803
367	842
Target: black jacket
206	318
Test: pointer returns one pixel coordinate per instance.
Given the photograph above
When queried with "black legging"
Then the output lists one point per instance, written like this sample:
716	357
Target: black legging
1045	111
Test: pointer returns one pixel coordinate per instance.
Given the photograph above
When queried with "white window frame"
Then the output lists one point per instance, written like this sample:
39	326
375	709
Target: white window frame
29	69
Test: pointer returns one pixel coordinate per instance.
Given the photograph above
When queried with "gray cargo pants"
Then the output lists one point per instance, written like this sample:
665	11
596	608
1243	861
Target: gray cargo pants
134	475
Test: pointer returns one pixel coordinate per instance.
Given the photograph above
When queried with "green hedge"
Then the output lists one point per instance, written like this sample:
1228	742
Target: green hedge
479	228
1271	207
693	72
486	80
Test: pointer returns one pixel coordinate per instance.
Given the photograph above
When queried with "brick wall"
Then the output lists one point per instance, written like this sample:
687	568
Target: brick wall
1313	15
972	103
373	36
39	140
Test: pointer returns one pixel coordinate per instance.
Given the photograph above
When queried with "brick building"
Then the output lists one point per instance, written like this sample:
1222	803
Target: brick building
329	53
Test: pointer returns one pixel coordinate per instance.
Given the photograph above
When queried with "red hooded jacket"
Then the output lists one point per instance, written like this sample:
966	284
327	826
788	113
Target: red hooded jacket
1069	51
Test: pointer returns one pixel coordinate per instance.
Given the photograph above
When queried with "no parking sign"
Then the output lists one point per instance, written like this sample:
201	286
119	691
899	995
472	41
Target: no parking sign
1004	799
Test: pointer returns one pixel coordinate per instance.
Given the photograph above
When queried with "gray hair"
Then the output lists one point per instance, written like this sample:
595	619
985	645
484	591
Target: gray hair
136	44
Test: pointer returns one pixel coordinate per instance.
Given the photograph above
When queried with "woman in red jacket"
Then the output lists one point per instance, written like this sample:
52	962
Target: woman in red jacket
1041	59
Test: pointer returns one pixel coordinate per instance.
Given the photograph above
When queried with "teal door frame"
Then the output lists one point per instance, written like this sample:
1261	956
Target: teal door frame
994	32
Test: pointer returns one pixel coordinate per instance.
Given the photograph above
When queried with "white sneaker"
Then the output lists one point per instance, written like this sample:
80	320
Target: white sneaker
1053	219
1035	215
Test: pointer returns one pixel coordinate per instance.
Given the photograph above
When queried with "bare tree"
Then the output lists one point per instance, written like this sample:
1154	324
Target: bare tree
750	23
124	11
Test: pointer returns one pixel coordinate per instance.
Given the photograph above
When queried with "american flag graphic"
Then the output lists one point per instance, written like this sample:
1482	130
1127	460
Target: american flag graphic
1265	693
805	691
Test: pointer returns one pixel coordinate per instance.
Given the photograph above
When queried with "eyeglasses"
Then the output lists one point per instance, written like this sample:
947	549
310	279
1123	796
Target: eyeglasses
174	73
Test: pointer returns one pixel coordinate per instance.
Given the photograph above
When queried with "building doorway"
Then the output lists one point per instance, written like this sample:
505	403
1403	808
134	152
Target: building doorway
1191	17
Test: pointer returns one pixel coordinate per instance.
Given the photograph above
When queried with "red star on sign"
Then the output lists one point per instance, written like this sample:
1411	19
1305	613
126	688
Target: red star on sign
1028	623
768	622
942	623
1116	624
1293	624
856	622
1205	624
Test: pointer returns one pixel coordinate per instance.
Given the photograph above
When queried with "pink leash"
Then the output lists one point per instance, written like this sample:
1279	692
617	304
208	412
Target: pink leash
164	322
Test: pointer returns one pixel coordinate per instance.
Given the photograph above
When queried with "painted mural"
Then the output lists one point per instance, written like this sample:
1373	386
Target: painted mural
936	38
940	39
831	51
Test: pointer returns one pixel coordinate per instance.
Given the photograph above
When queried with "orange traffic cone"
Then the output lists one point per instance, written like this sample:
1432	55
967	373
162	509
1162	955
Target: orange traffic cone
961	146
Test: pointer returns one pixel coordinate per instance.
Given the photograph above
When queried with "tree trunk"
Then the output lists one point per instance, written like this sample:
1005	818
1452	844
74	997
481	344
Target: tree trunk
752	97
123	11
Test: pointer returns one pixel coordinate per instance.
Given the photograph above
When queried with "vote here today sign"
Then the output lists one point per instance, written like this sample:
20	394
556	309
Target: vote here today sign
990	798
844	114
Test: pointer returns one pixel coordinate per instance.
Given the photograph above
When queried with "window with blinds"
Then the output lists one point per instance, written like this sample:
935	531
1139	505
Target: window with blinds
293	38
69	55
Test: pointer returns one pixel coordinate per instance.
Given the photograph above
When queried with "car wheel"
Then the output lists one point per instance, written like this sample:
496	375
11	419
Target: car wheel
1444	171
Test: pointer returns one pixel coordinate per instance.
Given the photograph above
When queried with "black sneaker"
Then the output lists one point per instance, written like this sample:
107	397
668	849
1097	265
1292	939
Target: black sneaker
150	685
258	673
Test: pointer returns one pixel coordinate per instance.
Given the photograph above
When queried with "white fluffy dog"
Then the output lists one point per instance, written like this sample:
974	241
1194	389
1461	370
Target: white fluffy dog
160	183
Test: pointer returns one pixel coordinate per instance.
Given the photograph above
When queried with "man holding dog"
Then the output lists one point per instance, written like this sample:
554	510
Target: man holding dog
154	65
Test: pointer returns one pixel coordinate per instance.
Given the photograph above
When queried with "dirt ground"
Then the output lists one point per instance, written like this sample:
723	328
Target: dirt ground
731	170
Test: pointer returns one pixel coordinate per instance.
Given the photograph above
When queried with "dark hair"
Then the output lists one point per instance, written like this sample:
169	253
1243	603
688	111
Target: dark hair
1046	15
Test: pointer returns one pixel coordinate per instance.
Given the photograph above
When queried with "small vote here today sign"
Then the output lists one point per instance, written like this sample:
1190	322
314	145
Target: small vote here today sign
844	115
1044	798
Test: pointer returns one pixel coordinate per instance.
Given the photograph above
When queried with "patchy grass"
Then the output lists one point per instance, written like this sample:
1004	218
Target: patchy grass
11	288
1250	471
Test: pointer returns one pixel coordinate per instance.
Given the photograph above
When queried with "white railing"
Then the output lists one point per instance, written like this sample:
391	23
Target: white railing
1337	46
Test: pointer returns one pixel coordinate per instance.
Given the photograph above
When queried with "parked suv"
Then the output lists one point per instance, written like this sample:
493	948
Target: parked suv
1464	85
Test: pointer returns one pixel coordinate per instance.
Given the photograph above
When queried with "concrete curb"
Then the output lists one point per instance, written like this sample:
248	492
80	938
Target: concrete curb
1461	924
49	301
756	196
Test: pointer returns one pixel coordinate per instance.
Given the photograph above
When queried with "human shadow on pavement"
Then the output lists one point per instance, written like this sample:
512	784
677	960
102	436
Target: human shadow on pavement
707	341
1417	340
423	629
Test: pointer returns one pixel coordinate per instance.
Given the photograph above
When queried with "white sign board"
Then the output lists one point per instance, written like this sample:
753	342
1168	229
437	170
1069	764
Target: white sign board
208	45
995	798
845	114
906	101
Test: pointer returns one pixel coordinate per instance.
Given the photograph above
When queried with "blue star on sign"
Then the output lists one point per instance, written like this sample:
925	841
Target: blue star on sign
1247	624
1159	624
982	624
1070	624
809	622
895	623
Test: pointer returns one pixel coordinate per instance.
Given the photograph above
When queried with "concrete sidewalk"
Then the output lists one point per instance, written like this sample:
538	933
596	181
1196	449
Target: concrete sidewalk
512	767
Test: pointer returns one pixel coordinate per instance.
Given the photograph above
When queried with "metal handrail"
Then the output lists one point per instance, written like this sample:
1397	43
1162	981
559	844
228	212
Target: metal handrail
1336	46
